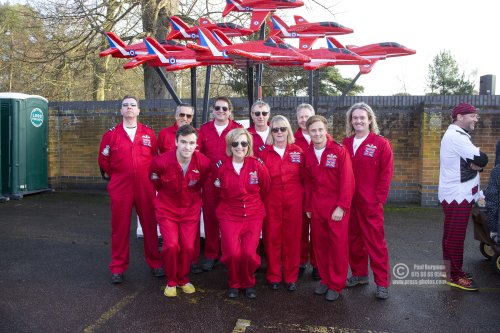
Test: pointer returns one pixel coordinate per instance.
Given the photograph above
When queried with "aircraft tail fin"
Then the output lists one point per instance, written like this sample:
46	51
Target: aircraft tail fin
177	27
116	45
278	27
333	43
210	42
230	6
299	20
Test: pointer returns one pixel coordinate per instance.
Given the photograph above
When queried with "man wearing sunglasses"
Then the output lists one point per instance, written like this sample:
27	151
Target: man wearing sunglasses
184	114
260	113
212	141
125	154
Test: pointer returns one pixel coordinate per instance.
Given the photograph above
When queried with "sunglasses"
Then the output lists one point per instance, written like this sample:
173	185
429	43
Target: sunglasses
188	116
125	105
235	144
218	108
264	113
278	129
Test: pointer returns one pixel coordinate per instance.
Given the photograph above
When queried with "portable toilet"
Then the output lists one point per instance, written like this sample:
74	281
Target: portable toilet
24	144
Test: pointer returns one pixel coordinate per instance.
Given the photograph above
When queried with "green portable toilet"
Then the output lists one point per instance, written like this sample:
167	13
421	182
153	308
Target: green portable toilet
2	198
24	142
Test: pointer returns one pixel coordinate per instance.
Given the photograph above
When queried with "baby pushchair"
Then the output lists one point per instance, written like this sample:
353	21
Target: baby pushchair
488	247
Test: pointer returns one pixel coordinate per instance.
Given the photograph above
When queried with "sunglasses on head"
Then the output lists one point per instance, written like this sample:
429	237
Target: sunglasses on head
188	116
218	108
125	105
235	144
278	129
264	113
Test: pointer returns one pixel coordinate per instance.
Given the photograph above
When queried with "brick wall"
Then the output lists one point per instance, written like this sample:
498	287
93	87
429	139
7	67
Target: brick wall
413	124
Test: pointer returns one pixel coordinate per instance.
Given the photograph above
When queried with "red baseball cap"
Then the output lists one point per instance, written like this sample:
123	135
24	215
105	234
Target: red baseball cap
463	108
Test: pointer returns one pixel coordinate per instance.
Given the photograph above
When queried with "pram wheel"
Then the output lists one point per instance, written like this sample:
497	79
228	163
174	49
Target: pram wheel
486	250
496	263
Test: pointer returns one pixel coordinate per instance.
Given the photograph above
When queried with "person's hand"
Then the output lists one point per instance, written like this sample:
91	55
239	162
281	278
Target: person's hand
308	214
338	214
475	167
481	202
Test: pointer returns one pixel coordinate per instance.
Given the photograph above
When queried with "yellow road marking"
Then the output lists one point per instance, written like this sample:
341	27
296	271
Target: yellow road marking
241	326
111	312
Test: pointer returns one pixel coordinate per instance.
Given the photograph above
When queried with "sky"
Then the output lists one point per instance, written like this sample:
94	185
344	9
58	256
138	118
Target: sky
469	30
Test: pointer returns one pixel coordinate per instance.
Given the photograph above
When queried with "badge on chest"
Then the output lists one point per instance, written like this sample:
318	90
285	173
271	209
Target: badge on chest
370	150
331	161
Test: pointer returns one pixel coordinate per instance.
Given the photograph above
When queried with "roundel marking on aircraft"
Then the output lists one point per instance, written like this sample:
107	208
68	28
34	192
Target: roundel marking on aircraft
132	53
247	9
256	22
294	34
193	35
305	46
204	22
224	54
172	60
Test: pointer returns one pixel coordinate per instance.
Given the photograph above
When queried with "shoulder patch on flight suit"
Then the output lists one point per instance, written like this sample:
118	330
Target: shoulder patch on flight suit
112	128
261	148
261	161
218	164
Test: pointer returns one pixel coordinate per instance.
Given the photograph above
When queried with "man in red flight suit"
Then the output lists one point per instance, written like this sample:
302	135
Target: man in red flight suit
184	114
372	161
213	145
260	113
125	154
303	140
329	189
178	176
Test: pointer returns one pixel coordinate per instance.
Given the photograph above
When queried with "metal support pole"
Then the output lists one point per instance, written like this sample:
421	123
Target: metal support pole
250	91
167	84
316	81
193	93
311	88
208	74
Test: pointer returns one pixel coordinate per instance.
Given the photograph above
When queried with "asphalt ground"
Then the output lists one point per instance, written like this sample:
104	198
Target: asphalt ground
55	251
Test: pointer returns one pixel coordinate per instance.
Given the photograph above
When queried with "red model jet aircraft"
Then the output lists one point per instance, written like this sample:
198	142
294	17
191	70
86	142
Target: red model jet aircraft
375	52
268	51
307	32
175	60
119	49
259	8
332	56
180	29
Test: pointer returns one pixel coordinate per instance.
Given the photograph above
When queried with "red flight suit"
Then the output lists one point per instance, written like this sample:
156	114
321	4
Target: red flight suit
240	213
167	142
177	207
373	169
212	146
330	184
257	140
306	243
166	139
127	164
284	207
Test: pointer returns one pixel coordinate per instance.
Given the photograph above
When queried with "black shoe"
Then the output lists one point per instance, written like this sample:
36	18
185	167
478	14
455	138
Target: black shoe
273	285
208	265
250	293
315	274
116	278
158	272
232	293
302	269
196	269
291	286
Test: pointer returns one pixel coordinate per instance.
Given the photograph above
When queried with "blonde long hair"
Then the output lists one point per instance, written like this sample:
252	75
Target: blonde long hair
349	130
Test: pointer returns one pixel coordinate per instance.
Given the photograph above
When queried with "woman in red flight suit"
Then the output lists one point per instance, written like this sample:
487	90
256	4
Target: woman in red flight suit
178	176
242	180
283	223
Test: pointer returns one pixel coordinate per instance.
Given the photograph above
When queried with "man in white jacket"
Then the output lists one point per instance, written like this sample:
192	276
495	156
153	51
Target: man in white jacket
460	163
